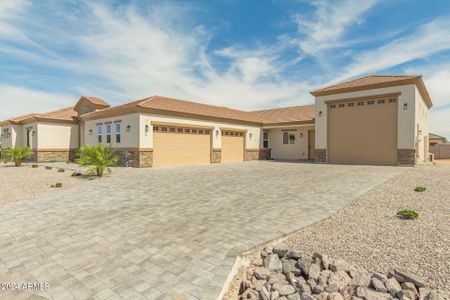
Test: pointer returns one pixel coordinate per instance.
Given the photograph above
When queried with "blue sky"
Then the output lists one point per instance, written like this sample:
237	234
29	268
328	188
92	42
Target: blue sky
244	54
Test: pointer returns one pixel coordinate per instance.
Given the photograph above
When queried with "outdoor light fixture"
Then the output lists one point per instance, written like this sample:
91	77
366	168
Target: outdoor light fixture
128	128
320	113
90	131
250	135
405	106
33	133
217	132
301	134
147	128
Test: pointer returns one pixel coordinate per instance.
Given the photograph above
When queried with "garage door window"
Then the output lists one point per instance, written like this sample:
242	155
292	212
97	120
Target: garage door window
288	138
180	130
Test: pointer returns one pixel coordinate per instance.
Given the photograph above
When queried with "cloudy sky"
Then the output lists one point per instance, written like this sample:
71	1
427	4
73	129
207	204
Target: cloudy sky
247	54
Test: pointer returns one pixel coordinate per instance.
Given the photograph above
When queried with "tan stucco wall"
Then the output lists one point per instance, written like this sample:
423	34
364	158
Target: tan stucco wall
299	150
15	140
406	118
146	138
422	115
5	141
129	139
56	135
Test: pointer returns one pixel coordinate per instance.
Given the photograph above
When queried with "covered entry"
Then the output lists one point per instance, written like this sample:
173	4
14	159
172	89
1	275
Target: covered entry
180	145
232	145
363	131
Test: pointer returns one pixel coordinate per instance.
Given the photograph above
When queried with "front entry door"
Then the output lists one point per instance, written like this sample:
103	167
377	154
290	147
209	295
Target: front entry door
311	144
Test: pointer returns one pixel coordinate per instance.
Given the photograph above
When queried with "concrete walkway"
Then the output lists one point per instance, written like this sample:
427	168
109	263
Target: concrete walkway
159	233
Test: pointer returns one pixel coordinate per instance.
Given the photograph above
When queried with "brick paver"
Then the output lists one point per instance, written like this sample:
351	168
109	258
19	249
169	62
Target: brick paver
158	233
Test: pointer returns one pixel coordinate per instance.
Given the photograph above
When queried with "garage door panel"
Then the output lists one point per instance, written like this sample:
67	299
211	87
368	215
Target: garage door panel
365	134
172	149
232	148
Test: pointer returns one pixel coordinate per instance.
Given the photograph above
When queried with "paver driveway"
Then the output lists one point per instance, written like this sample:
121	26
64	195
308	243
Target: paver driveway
156	233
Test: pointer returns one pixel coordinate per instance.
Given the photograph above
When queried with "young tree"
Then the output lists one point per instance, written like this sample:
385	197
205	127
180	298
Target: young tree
17	155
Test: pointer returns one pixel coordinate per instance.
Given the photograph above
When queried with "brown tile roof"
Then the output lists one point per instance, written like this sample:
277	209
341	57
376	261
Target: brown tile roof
97	101
158	104
68	114
19	119
374	82
364	82
303	113
436	137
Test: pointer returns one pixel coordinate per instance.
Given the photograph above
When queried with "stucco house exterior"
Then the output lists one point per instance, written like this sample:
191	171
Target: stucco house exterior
379	120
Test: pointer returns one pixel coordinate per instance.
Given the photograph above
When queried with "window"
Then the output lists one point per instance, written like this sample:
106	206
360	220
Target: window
360	103
380	101
99	133
351	104
371	102
333	106
265	139
29	137
108	133
288	137
118	128
342	105
392	100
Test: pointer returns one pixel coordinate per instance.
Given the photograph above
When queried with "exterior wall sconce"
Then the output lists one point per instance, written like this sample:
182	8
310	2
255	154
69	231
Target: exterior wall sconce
217	132
301	134
90	131
33	133
405	106
250	135
128	128
320	113
147	128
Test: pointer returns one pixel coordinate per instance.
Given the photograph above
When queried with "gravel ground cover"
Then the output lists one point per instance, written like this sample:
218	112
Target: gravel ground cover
368	234
20	183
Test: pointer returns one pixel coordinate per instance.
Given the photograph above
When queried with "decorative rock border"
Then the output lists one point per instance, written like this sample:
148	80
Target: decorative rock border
277	273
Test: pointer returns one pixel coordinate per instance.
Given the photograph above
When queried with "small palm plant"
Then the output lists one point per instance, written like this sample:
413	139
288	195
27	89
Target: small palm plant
17	155
98	157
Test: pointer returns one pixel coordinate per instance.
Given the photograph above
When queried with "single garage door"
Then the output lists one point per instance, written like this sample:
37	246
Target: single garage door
176	145
232	146
363	132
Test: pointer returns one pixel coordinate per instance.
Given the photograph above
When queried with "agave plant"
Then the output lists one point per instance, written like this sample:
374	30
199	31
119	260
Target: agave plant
17	155
99	158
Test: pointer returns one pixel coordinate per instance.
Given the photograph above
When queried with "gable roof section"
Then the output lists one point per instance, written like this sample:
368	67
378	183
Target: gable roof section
374	82
288	115
65	115
17	120
96	102
433	136
171	106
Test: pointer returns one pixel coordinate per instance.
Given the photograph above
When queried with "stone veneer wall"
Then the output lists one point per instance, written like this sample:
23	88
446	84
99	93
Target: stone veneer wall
216	156
135	158
257	154
321	156
49	156
406	157
145	158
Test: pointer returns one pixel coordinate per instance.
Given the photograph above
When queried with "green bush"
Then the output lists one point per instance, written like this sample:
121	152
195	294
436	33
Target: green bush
100	158
57	185
48	168
17	155
61	170
74	174
34	166
408	214
420	189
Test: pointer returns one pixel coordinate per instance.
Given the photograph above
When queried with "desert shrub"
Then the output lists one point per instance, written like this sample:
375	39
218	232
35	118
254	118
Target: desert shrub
98	157
408	214
34	166
61	170
74	174
420	189
48	168
57	185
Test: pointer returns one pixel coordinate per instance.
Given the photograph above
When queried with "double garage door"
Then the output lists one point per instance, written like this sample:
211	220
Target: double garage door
363	132
182	145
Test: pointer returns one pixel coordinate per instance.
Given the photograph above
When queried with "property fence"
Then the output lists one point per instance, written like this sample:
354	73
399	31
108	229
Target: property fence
440	151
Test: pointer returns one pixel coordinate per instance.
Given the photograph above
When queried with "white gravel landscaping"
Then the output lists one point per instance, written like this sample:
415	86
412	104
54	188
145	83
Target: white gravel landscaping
20	183
367	233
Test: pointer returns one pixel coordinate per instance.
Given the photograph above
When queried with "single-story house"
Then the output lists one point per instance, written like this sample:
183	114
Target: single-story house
437	139
377	120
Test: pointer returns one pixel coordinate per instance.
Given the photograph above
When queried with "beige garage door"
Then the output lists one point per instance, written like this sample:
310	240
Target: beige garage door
232	146
180	146
363	132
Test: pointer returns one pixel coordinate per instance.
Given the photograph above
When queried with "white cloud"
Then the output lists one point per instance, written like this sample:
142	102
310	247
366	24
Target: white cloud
19	101
440	121
326	29
429	39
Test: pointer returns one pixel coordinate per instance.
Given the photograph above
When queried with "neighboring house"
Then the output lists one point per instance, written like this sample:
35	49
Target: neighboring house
437	139
380	120
439	146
